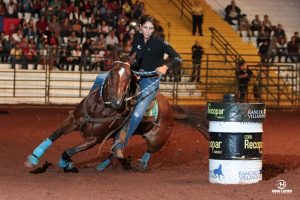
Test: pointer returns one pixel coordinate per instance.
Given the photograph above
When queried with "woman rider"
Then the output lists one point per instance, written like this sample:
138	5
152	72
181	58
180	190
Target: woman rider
150	50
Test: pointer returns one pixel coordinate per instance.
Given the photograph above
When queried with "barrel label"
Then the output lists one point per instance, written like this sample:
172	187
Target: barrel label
236	112
235	145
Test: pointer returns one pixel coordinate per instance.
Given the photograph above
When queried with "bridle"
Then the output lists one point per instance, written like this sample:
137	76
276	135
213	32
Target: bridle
125	97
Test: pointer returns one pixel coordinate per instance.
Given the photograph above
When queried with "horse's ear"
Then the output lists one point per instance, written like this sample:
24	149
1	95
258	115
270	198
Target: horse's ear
132	58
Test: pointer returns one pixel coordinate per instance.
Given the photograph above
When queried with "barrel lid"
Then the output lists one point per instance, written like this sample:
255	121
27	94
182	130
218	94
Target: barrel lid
236	112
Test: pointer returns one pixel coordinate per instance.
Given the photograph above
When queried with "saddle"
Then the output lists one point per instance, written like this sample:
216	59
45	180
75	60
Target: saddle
151	114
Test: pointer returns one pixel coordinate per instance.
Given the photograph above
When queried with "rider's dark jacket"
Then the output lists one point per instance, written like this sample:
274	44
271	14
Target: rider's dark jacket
150	55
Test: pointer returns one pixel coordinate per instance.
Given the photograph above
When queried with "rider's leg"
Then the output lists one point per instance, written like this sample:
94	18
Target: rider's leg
99	81
136	117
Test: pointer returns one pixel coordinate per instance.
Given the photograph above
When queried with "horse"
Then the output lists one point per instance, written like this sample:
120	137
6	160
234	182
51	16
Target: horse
100	116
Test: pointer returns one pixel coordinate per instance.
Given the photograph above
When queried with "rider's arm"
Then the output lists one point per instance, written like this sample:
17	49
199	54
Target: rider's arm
174	58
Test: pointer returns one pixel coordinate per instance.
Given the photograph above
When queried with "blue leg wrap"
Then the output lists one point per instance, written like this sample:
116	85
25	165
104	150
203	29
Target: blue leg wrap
103	165
144	161
65	164
40	150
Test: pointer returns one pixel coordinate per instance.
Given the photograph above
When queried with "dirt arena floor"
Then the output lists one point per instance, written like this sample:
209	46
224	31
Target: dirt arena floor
178	171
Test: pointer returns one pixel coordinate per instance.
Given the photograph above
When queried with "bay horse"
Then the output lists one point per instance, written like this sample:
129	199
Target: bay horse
100	116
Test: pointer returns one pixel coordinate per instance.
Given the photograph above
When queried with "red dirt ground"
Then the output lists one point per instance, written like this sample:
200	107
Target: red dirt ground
178	171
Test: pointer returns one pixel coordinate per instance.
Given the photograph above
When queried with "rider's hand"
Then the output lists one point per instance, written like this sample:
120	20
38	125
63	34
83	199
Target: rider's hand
162	70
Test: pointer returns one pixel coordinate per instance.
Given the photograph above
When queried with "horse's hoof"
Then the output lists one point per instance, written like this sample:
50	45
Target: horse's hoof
142	166
126	163
42	169
72	170
28	164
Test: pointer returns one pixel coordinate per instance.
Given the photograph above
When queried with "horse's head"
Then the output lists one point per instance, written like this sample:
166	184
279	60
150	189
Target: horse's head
118	84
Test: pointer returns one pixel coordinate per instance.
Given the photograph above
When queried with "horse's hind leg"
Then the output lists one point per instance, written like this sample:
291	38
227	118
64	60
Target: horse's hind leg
156	139
66	127
66	163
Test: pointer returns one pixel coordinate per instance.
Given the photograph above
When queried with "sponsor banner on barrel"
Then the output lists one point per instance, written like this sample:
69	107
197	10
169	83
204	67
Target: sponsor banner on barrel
236	112
235	145
235	171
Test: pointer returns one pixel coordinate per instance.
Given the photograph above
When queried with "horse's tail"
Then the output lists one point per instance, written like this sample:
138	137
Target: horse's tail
196	119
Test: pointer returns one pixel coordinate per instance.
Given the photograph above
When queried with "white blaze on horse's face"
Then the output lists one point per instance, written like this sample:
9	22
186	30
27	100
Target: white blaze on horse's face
121	71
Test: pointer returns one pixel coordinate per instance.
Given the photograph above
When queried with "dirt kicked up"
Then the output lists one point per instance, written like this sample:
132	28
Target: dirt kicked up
178	171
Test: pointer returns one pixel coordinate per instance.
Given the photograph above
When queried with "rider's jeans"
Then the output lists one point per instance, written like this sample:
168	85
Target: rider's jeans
143	103
99	81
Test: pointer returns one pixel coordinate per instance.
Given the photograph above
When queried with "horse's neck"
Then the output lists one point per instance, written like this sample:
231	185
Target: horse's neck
95	104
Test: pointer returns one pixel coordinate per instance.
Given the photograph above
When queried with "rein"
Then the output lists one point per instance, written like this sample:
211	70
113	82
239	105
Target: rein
144	74
103	118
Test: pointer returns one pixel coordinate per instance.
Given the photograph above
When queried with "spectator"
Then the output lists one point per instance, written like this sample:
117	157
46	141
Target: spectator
272	51
2	10
77	28
65	28
281	45
255	24
197	15
86	44
197	52
62	59
74	58
263	51
244	25
127	9
243	75
279	32
297	38
97	59
91	29
83	19
111	40
30	56
18	35
87	8
12	9
232	12
75	14
263	35
293	50
86	60
27	6
56	6
41	25
16	56
2	46
54	25
72	40
8	45
267	24
104	28
127	46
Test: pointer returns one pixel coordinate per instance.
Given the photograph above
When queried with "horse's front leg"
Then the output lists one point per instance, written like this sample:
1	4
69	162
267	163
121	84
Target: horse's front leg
67	126
66	163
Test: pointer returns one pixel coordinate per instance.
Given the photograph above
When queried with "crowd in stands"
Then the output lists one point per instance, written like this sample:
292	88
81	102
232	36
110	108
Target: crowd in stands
68	33
271	42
